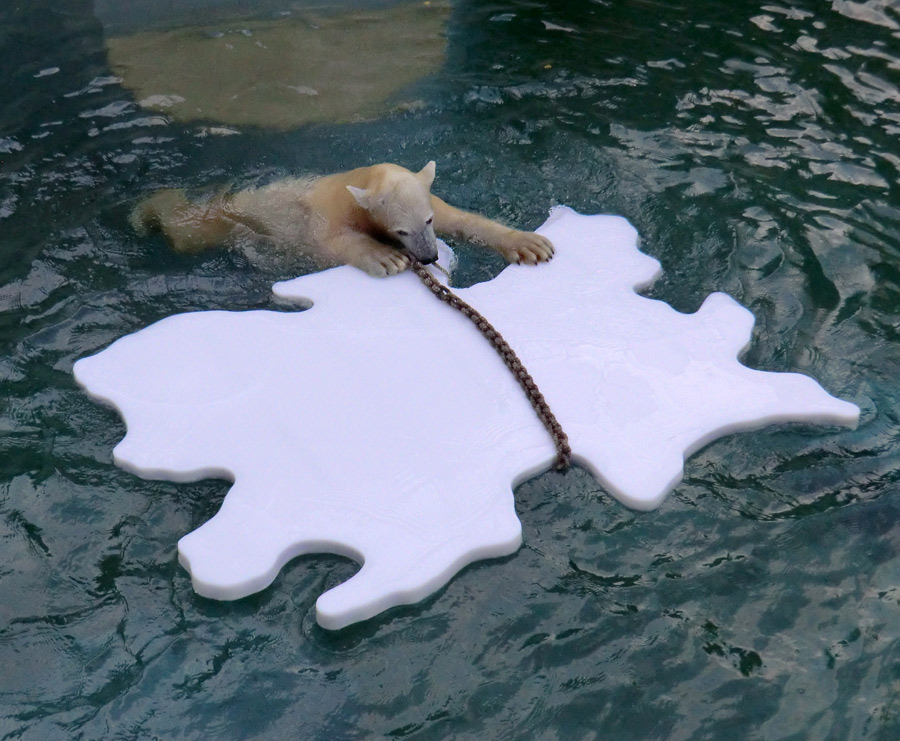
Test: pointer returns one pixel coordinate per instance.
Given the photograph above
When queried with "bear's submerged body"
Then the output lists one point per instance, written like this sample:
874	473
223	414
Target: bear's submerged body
371	218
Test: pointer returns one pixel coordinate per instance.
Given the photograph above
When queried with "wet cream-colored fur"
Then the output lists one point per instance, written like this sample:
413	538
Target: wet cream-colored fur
370	218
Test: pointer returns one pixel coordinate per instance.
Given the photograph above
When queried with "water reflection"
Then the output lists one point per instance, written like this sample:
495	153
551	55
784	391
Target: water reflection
302	66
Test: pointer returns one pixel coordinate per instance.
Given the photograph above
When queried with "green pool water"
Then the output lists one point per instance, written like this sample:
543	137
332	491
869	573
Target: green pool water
754	145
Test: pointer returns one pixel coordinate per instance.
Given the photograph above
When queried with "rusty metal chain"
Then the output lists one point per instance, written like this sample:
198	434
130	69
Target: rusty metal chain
509	357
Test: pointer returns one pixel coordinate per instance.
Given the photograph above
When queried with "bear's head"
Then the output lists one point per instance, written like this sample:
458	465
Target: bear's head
399	202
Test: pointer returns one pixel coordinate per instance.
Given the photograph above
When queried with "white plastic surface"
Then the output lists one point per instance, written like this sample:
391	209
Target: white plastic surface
379	424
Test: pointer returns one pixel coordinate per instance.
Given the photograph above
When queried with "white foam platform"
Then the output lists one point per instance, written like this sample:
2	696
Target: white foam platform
380	425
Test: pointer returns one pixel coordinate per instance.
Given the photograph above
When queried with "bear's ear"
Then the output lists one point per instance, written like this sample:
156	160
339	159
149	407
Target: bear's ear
362	196
426	174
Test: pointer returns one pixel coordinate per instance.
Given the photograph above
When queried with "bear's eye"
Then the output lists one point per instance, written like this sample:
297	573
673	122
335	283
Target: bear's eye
430	219
402	233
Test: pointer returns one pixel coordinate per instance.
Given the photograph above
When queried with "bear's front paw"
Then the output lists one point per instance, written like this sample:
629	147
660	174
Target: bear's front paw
383	262
526	247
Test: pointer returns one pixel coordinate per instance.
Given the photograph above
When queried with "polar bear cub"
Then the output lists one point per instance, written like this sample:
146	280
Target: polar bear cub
370	217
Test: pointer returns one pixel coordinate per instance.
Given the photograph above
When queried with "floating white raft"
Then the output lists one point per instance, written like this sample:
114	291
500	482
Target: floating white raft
379	424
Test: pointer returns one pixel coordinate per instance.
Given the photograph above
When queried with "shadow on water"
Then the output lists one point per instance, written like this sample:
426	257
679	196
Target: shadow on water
753	145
